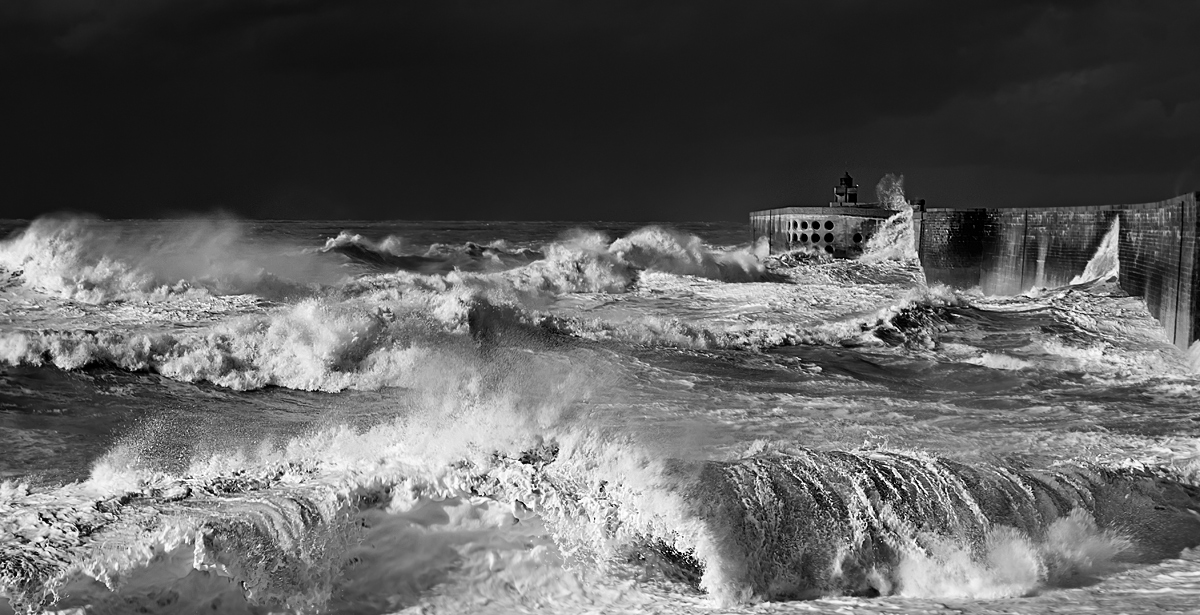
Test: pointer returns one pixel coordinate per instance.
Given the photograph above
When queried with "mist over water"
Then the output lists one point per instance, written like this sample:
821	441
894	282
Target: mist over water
345	417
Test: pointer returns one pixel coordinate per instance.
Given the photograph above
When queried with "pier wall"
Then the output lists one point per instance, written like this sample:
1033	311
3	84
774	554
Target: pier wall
840	231
1010	250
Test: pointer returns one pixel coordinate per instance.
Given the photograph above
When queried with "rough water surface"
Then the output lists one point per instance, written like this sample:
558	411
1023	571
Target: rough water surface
485	417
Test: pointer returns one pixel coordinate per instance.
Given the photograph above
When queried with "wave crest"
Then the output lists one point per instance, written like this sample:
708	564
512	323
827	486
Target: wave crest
313	345
660	249
93	261
806	524
431	499
437	259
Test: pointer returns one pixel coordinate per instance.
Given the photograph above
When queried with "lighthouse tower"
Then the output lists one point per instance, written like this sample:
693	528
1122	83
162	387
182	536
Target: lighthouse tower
846	192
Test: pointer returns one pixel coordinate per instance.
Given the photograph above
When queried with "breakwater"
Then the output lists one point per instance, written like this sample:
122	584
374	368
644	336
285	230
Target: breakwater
1010	250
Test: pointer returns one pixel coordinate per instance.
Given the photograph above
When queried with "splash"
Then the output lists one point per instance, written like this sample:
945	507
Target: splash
1105	264
894	240
889	192
1010	563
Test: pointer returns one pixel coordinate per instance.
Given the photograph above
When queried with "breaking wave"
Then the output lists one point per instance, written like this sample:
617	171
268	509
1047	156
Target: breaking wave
894	240
93	261
582	261
316	344
1106	262
378	517
659	249
589	262
437	259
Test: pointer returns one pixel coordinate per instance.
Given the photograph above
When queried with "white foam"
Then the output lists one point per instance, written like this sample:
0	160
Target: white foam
1011	563
999	361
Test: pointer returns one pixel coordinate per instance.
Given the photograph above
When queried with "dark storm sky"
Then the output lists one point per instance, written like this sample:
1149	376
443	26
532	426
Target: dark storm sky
588	109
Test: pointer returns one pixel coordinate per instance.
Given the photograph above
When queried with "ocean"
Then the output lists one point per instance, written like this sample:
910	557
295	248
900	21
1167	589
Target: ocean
229	416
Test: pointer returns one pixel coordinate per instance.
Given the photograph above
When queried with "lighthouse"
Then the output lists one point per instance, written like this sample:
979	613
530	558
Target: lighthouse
846	192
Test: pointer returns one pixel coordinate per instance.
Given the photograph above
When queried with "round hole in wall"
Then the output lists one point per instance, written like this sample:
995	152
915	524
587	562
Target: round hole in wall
804	225
816	237
829	225
829	249
803	237
858	238
794	238
829	237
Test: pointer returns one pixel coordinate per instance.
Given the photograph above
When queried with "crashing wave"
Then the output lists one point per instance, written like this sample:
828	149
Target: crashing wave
659	249
1105	264
92	261
316	344
810	524
781	525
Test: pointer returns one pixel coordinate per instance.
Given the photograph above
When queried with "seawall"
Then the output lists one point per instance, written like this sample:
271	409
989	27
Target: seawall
1010	250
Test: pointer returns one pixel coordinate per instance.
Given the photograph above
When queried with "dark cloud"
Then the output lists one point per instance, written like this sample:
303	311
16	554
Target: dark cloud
538	109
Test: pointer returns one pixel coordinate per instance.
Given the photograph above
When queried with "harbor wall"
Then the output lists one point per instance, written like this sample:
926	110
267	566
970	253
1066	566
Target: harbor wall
1010	250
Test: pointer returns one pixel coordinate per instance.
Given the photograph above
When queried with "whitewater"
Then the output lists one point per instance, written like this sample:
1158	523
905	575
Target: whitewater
220	415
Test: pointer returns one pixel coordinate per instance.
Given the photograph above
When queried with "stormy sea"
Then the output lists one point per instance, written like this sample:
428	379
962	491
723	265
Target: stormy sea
230	416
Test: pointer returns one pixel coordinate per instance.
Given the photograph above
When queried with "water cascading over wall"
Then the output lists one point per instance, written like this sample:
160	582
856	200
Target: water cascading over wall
1010	250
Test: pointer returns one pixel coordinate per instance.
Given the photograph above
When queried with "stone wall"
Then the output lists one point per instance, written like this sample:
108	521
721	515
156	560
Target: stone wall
1007	251
952	244
1158	262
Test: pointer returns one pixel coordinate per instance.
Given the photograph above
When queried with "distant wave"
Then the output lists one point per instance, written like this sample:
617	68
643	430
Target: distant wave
372	331
587	261
377	331
437	259
912	321
91	261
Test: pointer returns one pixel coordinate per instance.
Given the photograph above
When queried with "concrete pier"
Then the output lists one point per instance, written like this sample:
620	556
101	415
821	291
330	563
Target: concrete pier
839	231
